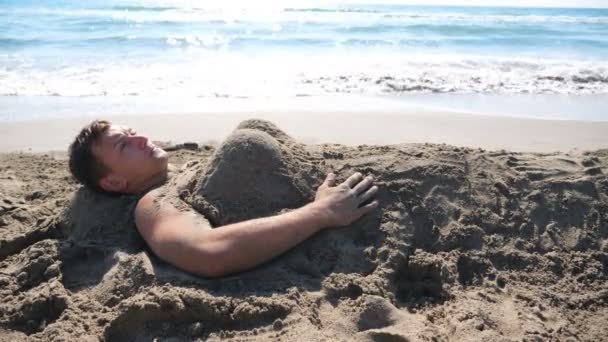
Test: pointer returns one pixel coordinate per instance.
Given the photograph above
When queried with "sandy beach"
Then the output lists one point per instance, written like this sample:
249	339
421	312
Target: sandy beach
483	123
352	128
489	229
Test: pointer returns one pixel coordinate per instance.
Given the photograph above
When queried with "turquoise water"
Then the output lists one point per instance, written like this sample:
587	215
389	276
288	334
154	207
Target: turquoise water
137	50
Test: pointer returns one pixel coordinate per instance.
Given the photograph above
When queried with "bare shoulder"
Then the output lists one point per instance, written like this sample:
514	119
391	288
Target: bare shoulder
157	215
151	213
149	208
173	232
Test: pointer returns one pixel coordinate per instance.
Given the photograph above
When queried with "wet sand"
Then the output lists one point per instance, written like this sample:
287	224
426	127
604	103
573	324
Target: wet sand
382	128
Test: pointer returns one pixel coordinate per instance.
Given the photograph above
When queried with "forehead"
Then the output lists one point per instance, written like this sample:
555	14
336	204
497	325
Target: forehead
109	137
115	130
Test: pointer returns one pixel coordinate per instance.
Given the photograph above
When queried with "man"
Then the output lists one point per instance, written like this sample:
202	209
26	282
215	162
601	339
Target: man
115	159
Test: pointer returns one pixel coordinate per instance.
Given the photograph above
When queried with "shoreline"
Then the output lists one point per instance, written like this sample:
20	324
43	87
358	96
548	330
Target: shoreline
340	127
581	107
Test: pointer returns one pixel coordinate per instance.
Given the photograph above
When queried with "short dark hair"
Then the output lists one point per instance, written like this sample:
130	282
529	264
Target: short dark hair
84	165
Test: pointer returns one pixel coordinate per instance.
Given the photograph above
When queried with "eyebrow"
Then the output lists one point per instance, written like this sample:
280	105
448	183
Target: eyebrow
117	142
120	138
124	131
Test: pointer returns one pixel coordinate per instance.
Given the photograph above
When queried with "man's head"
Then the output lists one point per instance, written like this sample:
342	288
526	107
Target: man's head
112	158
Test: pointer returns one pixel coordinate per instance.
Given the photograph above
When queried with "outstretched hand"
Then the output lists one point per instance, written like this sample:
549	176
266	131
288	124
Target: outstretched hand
344	203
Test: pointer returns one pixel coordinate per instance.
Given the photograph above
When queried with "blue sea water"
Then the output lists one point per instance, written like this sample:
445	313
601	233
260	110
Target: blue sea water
192	51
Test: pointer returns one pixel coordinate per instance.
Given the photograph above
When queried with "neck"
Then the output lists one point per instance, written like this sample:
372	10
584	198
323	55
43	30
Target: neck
150	183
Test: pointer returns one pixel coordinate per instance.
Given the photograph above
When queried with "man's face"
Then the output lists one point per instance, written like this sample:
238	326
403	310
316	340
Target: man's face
132	159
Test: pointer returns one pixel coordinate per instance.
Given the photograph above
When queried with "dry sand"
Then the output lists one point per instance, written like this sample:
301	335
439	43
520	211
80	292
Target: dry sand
468	245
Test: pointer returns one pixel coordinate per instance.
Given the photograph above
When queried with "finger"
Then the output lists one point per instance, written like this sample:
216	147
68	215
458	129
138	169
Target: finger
367	208
353	180
330	180
368	194
364	184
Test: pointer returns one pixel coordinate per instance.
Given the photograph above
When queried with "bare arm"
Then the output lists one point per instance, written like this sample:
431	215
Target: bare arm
181	239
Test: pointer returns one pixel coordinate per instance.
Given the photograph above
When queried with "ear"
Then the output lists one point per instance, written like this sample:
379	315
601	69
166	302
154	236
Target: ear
113	184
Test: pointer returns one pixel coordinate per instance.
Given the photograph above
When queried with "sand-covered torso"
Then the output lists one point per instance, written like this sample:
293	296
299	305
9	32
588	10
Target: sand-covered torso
467	245
257	171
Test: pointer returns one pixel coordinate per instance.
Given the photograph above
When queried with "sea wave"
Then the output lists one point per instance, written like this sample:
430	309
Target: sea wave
18	42
263	38
201	13
458	16
140	8
331	10
496	18
233	76
130	47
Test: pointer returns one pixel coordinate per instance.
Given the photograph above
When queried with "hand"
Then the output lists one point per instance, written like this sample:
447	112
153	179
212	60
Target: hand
341	205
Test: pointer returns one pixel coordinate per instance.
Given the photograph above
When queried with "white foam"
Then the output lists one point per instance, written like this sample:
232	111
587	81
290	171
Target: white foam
226	74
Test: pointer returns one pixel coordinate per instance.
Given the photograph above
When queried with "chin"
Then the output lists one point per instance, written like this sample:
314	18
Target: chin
163	156
164	160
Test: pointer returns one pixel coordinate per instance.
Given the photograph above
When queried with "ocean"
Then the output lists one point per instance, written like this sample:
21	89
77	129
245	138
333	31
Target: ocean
67	57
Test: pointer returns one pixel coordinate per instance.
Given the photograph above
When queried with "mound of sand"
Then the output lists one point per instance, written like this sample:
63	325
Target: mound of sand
467	245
